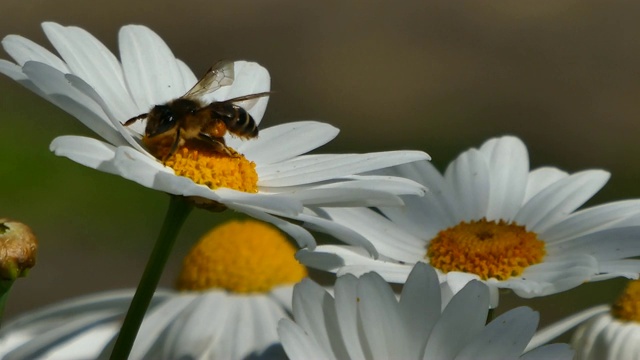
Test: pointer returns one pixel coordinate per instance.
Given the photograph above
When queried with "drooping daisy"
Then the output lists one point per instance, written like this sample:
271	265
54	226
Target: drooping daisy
364	320
490	218
269	179
613	334
236	284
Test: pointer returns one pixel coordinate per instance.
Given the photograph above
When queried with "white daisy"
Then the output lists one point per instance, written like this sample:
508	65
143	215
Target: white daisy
615	332
490	218
236	284
365	321
90	83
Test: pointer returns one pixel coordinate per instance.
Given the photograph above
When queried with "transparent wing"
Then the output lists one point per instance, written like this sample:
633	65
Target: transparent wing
221	74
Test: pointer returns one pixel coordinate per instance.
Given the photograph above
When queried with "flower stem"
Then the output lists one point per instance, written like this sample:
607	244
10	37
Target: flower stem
177	213
5	286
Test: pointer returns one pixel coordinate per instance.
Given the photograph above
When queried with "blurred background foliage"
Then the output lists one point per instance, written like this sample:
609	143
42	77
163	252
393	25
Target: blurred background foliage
435	76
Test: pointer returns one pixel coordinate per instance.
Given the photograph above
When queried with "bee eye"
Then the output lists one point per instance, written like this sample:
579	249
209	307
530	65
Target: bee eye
165	120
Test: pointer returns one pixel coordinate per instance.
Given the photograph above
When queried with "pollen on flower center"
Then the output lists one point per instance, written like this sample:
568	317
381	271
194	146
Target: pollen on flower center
241	257
627	306
208	167
488	249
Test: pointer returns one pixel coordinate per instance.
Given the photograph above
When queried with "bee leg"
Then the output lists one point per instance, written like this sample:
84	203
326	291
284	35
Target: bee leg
134	119
174	147
218	144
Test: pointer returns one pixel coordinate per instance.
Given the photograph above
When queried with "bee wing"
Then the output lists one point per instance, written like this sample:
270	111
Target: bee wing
219	75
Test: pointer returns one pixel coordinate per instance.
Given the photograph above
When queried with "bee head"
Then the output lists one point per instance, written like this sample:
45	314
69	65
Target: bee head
160	120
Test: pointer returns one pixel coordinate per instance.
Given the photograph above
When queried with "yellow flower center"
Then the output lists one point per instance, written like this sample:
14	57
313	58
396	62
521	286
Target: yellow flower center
488	249
627	307
241	257
208	167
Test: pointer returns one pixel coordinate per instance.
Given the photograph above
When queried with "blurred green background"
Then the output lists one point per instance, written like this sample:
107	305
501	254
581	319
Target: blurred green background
435	76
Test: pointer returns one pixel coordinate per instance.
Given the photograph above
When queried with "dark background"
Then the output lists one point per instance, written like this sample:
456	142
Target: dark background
435	76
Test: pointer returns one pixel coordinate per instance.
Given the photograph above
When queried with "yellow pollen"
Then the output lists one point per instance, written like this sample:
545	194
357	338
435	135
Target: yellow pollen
627	306
208	167
488	249
241	257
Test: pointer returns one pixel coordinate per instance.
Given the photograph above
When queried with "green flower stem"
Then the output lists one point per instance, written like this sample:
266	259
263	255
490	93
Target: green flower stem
179	209
5	286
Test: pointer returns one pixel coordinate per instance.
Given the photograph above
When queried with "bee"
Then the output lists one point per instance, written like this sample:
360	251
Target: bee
189	117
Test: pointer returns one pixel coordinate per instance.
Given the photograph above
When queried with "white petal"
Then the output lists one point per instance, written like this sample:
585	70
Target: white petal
550	352
436	210
629	268
509	168
540	178
191	334
378	305
156	322
86	151
312	307
420	306
188	78
561	198
346	300
314	168
90	60
551	332
22	50
297	343
553	275
151	72
283	142
469	178
609	244
352	260
344	233
503	338
387	238
60	92
299	234
461	321
591	220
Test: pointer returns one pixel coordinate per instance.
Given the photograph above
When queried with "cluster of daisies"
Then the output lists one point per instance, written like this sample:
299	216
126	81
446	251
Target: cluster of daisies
451	240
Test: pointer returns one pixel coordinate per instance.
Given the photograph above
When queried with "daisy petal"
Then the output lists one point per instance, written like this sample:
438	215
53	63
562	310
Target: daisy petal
461	321
283	142
58	90
334	229
419	309
553	276
509	168
346	300
378	305
302	236
629	268
550	352
150	69
22	50
297	343
540	178
156	322
591	220
609	244
86	151
469	179
90	60
385	236
511	331
308	305
315	168
560	199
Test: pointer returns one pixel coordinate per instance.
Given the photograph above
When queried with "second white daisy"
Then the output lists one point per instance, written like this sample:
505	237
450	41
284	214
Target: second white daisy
490	218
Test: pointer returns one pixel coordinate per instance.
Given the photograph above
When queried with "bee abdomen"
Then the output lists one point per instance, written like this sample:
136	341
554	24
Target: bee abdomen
242	123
